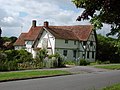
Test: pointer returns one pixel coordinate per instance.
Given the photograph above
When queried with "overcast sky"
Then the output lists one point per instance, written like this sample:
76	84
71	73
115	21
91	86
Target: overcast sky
16	15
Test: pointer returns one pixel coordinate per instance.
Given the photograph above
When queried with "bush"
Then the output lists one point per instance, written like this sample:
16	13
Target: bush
70	62
56	60
84	62
9	66
98	62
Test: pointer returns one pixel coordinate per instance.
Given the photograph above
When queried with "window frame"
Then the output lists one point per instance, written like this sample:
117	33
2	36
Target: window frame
66	41
65	52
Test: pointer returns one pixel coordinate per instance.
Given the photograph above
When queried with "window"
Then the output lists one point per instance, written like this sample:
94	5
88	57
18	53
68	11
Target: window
88	54
91	43
93	56
74	42
66	41
83	55
74	53
65	52
84	43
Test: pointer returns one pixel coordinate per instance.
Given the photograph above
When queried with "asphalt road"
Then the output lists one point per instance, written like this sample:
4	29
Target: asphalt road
90	81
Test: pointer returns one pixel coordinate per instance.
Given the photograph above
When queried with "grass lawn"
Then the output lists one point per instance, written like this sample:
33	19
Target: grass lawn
30	74
111	67
113	87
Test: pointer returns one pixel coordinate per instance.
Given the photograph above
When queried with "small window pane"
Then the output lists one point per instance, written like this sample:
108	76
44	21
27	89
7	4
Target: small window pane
66	41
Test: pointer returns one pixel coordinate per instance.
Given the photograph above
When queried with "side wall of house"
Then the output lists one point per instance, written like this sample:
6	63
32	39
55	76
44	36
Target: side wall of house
77	49
67	48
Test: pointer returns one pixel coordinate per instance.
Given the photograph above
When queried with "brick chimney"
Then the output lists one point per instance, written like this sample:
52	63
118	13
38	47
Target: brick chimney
34	23
46	24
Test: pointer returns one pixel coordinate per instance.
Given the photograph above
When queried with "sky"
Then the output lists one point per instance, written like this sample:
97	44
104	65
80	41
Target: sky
16	15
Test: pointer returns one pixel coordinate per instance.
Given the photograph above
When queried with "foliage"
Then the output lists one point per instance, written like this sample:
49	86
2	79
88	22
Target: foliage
60	60
108	49
70	62
21	59
113	87
41	54
55	61
10	59
84	62
3	40
23	56
101	11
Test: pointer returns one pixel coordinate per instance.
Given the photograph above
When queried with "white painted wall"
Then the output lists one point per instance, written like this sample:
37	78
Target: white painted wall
50	41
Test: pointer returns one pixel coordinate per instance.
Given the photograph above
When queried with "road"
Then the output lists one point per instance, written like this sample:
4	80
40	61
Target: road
90	81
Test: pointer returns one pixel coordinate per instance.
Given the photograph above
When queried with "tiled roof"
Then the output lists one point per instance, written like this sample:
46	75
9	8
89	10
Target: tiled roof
78	32
20	41
33	33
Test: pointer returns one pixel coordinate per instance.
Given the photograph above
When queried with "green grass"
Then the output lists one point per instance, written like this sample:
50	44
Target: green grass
111	67
30	74
113	87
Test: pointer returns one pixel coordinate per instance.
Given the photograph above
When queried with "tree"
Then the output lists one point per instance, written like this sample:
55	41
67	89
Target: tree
108	49
13	39
101	11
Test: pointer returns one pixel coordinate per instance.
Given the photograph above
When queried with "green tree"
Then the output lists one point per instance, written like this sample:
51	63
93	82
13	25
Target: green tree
108	49
13	39
101	11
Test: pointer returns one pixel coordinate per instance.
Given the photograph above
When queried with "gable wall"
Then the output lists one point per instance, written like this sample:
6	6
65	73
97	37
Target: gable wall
47	41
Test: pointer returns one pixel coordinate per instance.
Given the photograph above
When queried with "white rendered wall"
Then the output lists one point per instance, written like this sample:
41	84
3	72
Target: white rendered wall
50	41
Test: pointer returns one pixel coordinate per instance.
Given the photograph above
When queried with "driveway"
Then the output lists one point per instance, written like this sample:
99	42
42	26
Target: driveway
81	69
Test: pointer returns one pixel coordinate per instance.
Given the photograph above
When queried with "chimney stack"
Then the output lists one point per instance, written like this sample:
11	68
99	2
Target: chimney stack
34	23
46	24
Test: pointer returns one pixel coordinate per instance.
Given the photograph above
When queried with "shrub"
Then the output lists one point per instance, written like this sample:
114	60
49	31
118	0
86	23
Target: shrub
23	56
56	60
70	62
98	62
84	62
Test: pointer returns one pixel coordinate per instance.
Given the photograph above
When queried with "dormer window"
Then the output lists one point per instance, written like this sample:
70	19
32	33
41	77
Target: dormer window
66	41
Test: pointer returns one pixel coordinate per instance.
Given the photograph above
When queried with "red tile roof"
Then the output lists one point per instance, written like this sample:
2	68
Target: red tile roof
20	41
33	33
78	32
